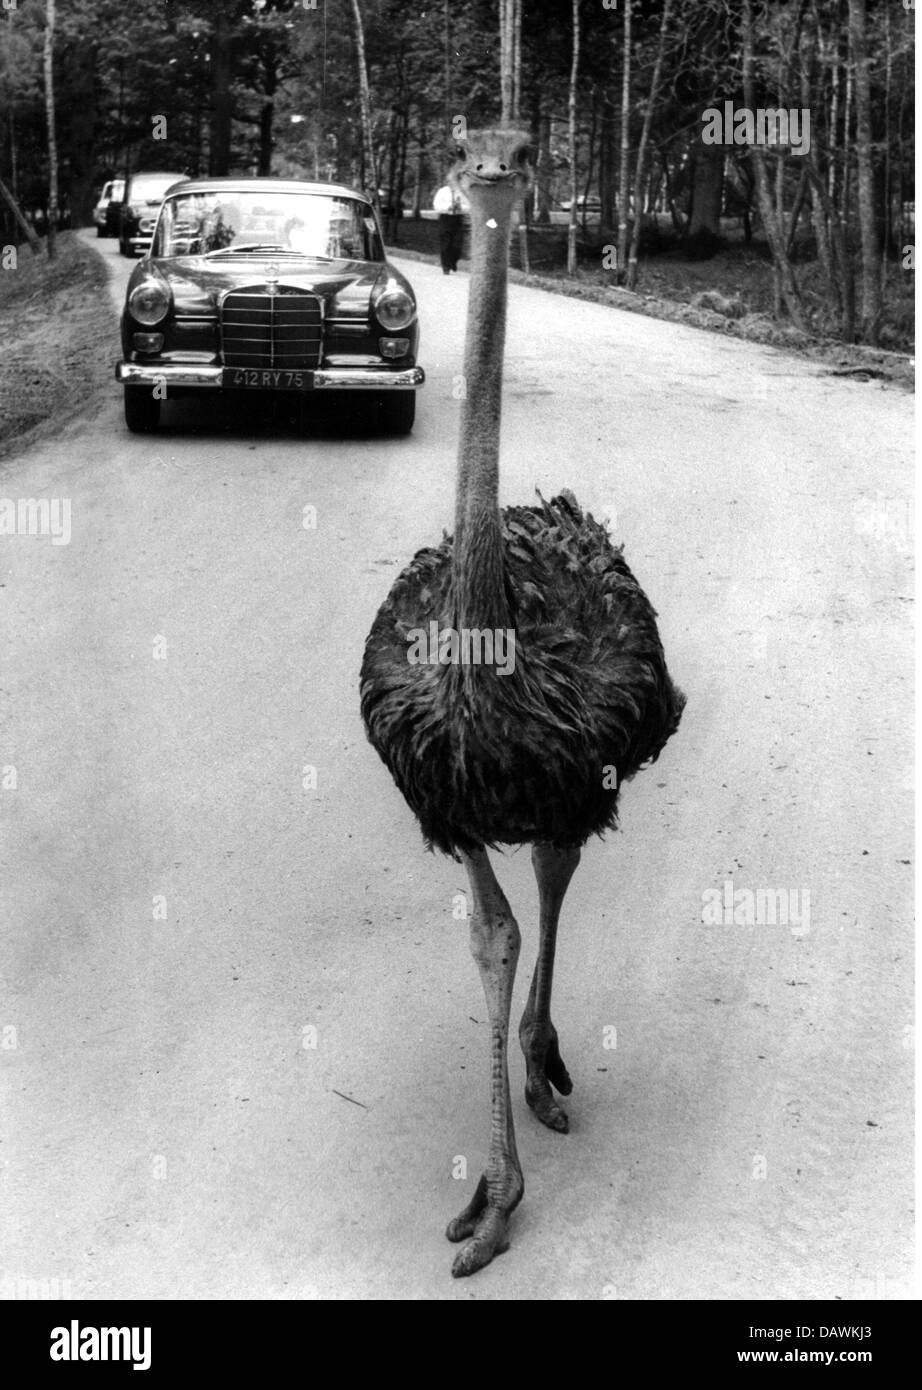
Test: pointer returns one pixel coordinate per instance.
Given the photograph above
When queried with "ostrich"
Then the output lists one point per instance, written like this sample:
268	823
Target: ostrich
486	755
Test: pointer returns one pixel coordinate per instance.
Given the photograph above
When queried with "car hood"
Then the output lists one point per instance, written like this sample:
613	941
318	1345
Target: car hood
197	283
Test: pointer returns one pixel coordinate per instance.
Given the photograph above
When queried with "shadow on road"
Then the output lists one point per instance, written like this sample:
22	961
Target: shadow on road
242	414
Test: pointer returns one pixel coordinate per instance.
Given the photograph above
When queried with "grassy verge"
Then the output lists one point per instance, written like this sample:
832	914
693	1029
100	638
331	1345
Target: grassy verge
729	294
59	335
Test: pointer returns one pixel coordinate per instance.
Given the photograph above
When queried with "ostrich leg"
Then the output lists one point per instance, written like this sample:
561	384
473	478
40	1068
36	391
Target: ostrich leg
495	947
553	869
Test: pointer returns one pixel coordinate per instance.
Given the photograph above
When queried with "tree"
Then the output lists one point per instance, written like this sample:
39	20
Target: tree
34	244
624	172
371	172
870	250
510	59
222	103
640	172
786	286
574	74
52	138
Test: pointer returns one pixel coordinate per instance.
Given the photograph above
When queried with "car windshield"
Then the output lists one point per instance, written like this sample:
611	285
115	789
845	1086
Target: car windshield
148	188
321	226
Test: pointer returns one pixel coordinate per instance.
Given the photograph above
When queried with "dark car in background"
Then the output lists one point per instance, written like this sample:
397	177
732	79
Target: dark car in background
269	285
139	208
111	194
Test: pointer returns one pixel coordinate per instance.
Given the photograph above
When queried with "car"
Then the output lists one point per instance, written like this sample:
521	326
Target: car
584	203
111	193
260	284
141	200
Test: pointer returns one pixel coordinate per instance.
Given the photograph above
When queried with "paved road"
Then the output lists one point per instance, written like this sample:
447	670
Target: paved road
172	1130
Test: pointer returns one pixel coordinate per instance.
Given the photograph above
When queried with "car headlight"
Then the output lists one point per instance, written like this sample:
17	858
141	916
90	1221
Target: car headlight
394	309
149	302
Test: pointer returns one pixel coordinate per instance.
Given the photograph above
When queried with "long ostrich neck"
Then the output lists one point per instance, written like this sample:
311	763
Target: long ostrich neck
478	588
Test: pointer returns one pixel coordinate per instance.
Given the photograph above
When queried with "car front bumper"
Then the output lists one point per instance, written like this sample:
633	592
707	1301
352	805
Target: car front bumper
208	377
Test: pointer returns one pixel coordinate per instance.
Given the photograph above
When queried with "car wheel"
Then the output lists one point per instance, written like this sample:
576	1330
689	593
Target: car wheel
142	409
397	412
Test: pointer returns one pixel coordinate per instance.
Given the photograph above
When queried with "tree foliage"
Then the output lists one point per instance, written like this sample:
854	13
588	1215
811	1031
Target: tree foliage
273	86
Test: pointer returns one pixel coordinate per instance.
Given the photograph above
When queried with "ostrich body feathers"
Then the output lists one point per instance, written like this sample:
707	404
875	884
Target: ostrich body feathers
537	754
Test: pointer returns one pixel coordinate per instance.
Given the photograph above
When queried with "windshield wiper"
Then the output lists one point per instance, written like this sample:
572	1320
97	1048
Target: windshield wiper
251	246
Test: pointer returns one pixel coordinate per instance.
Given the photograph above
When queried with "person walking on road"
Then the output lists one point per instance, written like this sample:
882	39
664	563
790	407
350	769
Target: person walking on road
451	207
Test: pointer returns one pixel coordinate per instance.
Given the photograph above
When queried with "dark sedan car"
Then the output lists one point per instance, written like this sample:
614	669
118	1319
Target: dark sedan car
268	285
138	210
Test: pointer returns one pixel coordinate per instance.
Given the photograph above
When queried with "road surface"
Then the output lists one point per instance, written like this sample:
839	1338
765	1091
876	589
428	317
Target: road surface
244	1043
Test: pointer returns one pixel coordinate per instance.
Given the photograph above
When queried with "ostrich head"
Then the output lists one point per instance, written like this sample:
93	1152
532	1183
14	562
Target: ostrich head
493	164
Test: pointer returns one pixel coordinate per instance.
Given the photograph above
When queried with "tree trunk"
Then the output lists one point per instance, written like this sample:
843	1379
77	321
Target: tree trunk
625	169
371	172
265	138
889	244
34	244
48	54
543	170
402	167
816	182
833	133
267	117
607	171
219	126
81	121
870	250
796	210
510	59
506	59
846	180
418	186
841	265
590	163
449	94
640	171
516	58
707	189
522	211
13	160
786	285
574	72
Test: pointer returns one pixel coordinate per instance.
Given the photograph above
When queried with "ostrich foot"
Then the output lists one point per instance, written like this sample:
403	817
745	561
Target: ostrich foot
484	1225
543	1072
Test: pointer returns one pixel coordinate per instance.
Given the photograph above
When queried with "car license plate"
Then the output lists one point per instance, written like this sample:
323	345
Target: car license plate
268	379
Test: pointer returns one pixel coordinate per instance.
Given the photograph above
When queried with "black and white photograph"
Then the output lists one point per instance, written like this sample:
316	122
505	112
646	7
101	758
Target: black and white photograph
456	660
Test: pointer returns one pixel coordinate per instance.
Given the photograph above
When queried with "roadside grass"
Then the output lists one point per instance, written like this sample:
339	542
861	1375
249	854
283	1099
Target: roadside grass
60	338
730	293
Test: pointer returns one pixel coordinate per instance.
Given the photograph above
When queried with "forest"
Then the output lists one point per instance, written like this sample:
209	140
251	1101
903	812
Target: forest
644	116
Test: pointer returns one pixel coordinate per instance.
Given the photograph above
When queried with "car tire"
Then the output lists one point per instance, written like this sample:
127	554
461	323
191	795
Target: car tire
142	409
397	412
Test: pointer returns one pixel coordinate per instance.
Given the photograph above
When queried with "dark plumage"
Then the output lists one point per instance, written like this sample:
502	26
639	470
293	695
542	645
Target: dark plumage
488	759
